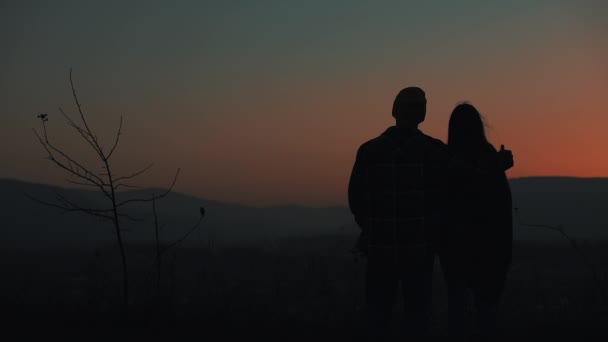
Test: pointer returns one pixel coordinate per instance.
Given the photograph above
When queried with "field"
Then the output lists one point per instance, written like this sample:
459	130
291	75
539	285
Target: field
291	289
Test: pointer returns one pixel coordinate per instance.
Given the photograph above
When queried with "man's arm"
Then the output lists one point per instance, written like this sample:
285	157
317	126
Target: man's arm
505	158
358	191
357	188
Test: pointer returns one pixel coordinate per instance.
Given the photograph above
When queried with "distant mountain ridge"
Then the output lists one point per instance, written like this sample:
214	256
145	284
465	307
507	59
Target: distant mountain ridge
27	222
579	204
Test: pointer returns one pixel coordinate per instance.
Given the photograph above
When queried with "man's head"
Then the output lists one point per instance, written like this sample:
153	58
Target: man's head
409	108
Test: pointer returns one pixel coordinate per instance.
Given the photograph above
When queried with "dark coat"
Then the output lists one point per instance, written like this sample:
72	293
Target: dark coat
396	187
477	240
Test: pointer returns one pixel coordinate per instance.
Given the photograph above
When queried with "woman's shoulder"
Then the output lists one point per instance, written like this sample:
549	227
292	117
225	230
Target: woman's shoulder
489	156
489	152
490	148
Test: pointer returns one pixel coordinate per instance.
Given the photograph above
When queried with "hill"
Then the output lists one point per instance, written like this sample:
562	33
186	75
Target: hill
579	204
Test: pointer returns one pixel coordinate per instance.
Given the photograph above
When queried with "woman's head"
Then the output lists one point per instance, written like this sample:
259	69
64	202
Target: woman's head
466	129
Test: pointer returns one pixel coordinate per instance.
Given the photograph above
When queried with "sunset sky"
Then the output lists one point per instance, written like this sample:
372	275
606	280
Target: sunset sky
266	102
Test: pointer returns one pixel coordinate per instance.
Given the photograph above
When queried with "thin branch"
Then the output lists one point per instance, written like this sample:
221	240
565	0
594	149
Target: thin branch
160	252
85	135
117	138
69	206
81	183
73	205
69	209
98	182
47	142
178	241
584	257
154	197
558	229
130	218
126	186
135	174
84	121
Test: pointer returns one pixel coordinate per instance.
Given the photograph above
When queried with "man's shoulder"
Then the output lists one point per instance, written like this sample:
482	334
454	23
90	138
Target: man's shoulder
384	141
433	141
374	144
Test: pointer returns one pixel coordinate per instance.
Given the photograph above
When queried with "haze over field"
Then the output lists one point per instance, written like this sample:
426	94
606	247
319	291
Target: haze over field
580	205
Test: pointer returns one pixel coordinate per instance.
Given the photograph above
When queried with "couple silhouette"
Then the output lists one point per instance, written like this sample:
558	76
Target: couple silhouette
416	198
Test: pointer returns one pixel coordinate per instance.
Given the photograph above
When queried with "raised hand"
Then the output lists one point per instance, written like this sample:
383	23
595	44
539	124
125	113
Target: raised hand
505	158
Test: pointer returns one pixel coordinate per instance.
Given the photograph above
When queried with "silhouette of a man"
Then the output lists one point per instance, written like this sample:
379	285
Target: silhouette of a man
397	194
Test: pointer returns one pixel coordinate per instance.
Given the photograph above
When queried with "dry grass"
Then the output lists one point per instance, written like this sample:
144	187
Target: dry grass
292	288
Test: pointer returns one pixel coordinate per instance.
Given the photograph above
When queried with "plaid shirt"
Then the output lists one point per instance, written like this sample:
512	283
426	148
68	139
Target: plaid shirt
397	189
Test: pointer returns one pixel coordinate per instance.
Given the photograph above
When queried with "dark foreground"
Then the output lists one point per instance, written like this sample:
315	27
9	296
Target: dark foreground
292	289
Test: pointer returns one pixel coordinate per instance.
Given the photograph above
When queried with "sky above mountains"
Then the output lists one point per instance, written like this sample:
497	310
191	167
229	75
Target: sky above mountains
267	102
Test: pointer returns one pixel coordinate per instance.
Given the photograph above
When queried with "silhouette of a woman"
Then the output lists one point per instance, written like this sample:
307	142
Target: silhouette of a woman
475	250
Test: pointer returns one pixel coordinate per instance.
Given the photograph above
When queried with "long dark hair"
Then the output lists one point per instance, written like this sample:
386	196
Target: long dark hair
466	132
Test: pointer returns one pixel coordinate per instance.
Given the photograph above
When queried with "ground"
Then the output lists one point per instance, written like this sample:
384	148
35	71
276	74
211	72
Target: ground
294	289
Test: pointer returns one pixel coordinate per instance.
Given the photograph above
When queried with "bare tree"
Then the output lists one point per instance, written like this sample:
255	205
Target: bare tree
162	250
106	182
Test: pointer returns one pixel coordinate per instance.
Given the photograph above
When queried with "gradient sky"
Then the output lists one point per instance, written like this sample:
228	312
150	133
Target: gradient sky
265	102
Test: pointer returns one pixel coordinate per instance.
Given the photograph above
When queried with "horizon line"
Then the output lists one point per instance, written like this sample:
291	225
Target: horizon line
271	205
